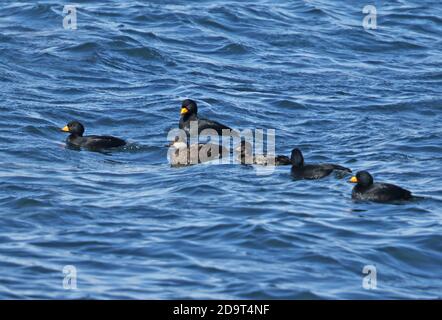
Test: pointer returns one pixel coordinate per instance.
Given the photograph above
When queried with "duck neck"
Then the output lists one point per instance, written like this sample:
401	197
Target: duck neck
298	165
189	117
75	136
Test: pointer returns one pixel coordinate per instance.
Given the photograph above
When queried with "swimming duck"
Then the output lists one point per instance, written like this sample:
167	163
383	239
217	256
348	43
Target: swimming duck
245	156
365	189
311	171
76	138
182	154
189	112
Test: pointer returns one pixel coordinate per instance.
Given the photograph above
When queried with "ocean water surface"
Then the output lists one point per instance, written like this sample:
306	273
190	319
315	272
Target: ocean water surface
135	228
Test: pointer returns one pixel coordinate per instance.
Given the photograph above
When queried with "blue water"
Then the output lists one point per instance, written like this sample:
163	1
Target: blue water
133	227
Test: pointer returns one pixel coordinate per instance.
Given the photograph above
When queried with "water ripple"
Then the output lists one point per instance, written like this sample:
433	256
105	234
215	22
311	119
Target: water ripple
136	228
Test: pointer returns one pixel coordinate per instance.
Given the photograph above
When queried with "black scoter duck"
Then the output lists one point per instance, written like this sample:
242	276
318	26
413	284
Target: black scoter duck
300	170
365	189
182	154
245	156
76	138
189	113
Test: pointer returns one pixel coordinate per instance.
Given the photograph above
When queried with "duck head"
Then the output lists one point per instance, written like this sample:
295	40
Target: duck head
362	178
188	108
297	158
74	127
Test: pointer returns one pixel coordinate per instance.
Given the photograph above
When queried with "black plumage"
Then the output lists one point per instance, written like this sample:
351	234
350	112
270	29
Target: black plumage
76	138
366	189
189	113
300	170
